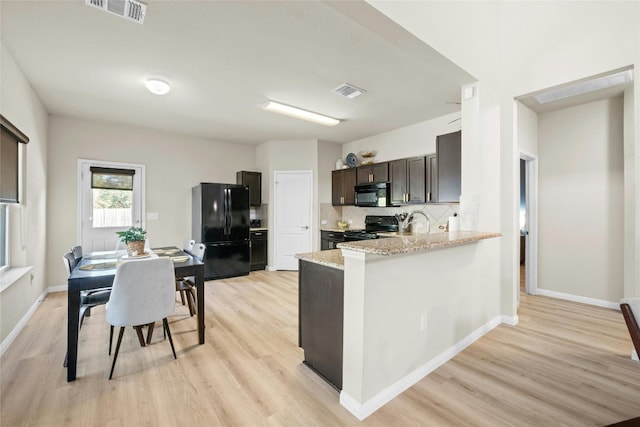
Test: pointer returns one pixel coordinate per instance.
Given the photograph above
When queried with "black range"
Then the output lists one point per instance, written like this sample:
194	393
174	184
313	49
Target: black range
373	224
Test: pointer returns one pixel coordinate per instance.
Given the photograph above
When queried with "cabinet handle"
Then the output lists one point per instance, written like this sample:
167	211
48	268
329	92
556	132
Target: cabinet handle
429	196
257	234
370	177
408	197
342	200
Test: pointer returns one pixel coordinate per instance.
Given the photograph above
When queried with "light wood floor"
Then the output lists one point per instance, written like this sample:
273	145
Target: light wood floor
564	364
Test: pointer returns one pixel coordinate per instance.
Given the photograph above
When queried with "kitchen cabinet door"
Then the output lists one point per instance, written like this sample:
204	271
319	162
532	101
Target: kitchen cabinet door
377	172
258	250
432	178
449	152
343	182
398	181
408	181
416	180
254	181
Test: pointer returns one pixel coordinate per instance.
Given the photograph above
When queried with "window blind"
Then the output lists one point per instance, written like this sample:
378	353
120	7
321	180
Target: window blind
10	137
112	178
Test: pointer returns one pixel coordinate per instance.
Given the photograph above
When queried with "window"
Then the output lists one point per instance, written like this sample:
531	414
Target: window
10	139
112	194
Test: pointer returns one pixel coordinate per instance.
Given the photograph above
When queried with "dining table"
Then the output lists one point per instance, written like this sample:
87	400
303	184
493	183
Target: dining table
97	270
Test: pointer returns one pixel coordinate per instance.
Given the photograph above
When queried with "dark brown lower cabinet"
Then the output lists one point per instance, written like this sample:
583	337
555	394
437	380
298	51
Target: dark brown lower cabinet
320	322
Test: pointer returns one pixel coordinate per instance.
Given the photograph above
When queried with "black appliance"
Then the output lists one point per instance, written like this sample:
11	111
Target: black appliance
256	223
373	195
373	225
220	220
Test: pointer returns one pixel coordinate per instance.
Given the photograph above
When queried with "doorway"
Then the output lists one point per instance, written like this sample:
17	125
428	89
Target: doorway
528	223
110	199
293	209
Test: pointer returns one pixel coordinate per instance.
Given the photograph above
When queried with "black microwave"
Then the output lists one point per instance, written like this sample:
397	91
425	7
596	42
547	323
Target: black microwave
373	195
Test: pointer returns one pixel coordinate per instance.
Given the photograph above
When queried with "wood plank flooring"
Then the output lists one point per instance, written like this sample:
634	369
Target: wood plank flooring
563	364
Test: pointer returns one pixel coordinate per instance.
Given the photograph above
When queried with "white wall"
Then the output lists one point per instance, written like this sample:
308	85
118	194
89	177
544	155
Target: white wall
414	140
28	229
174	164
527	130
287	156
515	48
581	200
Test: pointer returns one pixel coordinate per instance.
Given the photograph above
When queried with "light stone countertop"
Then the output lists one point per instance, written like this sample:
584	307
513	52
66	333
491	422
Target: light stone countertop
331	258
403	244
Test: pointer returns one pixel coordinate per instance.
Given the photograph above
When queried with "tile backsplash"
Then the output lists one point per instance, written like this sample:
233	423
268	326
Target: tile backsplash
438	214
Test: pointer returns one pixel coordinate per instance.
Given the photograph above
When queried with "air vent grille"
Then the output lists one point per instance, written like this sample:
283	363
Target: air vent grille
349	90
132	10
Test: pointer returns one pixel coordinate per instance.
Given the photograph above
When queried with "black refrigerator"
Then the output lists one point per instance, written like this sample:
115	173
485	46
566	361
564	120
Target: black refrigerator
220	220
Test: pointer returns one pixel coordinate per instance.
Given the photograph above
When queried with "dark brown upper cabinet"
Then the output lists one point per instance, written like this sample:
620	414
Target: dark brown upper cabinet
408	180
342	183
254	181
449	152
377	172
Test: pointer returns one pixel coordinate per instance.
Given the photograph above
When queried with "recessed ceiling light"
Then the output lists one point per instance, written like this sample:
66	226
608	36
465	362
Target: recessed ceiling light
157	86
298	113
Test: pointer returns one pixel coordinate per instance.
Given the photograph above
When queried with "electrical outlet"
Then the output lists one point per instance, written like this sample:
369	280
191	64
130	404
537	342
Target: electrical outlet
349	221
424	322
323	222
152	216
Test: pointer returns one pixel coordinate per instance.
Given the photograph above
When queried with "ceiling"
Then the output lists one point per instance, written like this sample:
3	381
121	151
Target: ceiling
224	60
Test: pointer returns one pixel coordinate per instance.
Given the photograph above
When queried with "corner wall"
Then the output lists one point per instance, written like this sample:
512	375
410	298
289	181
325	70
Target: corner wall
28	228
581	201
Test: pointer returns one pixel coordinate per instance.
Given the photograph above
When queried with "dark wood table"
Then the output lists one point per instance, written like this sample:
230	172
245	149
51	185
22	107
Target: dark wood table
101	275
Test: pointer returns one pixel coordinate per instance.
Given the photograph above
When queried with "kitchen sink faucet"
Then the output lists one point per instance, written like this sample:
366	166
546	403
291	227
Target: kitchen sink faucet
406	220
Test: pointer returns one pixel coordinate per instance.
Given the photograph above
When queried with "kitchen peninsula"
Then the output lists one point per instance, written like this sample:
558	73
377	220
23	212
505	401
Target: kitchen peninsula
394	309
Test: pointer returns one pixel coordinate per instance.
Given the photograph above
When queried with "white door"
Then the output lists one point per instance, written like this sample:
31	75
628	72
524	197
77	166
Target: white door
110	199
293	205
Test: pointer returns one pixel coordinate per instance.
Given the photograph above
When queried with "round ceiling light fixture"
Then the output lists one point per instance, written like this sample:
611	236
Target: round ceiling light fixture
157	86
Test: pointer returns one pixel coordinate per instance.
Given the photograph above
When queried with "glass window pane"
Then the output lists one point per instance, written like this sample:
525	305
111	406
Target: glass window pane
112	208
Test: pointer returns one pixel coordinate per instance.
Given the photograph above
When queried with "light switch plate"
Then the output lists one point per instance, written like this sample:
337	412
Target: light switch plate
152	216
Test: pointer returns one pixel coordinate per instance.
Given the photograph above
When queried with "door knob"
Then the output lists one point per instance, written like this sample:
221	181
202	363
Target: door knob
306	227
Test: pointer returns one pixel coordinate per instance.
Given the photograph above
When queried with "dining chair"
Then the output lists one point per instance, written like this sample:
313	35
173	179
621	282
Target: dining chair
77	252
186	290
630	308
87	299
142	293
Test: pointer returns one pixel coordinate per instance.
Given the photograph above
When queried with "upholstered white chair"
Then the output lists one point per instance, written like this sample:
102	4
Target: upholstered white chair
630	308
143	292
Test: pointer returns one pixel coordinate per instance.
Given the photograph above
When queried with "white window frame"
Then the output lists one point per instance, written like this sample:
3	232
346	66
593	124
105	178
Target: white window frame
108	164
7	262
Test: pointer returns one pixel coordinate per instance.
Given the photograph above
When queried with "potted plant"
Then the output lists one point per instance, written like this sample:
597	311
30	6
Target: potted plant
134	238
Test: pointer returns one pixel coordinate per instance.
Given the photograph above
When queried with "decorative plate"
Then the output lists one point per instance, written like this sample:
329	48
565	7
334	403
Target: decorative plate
352	160
142	255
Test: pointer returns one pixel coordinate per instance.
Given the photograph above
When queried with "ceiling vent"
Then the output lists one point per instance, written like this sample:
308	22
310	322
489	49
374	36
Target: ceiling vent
349	90
128	9
586	86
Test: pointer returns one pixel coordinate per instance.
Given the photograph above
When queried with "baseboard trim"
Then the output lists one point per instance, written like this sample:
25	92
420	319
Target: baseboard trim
59	288
22	323
363	410
510	320
578	298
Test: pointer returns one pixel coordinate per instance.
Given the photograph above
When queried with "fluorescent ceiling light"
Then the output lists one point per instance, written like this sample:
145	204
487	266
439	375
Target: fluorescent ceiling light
587	86
287	110
157	86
